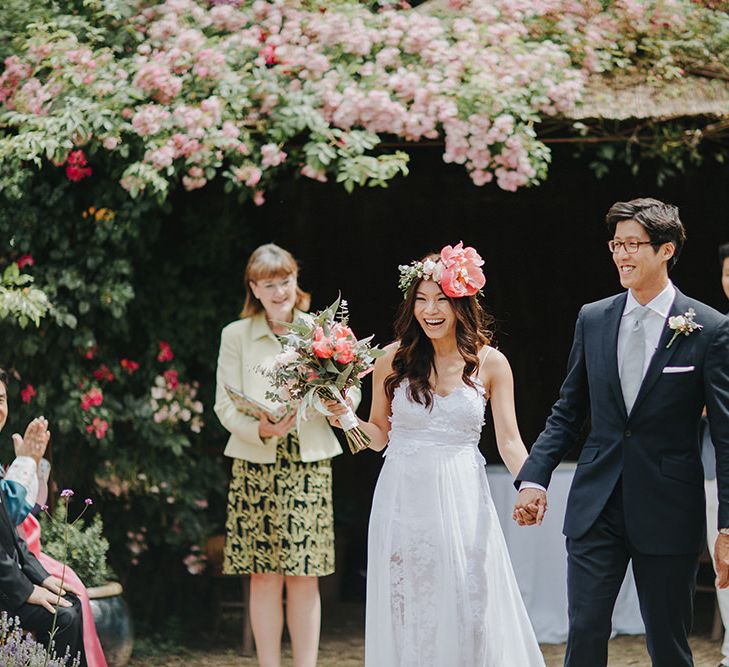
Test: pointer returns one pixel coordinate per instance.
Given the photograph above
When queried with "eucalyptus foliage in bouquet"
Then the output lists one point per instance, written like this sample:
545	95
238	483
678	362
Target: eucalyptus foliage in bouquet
321	360
21	650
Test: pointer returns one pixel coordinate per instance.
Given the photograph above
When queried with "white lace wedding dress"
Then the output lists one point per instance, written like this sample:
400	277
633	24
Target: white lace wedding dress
441	591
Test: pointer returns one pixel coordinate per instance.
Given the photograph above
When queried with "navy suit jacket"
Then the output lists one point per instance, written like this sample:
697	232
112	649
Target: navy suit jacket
655	449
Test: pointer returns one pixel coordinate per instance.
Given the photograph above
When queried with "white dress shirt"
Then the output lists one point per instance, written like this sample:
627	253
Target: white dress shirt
653	324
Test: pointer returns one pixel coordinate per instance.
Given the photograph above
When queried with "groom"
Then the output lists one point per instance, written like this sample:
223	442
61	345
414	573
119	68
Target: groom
642	379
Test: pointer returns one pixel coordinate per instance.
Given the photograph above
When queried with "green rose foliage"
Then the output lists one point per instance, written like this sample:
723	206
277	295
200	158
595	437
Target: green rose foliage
19	300
179	92
110	277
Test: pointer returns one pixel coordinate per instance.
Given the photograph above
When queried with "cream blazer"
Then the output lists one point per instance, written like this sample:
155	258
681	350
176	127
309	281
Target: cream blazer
245	344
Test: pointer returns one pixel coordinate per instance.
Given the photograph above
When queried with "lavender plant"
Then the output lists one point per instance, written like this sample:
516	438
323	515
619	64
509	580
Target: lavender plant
22	650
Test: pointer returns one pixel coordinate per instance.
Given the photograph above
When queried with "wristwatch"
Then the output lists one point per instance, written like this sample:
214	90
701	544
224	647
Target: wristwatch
723	531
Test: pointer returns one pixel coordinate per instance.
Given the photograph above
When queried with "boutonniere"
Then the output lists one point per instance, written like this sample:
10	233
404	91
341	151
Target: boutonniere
683	324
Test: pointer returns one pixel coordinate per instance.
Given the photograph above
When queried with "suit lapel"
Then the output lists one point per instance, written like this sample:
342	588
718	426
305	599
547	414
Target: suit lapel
663	353
613	316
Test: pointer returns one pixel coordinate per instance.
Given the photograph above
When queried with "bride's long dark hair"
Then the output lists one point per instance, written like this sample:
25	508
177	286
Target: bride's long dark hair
415	358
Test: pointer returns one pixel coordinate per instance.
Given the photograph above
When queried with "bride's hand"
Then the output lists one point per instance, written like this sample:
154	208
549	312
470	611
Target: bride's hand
337	409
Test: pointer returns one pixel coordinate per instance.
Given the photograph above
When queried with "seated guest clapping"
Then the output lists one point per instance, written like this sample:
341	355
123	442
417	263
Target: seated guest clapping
26	482
26	589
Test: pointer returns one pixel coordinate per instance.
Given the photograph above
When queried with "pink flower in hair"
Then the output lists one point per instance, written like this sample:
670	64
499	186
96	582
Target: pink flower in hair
462	275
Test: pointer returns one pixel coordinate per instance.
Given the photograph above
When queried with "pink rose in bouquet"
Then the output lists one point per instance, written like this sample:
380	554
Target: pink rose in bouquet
344	351
322	346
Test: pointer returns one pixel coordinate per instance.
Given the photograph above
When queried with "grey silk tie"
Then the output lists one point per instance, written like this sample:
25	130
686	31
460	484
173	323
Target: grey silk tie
631	371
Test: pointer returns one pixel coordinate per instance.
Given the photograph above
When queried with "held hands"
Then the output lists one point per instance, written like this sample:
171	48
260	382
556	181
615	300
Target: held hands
530	508
267	429
35	440
721	559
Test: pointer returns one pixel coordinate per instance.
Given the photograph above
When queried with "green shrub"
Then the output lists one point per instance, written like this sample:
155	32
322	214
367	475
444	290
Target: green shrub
87	546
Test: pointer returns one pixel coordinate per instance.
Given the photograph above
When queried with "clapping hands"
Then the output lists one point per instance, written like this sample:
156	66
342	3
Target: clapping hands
530	507
35	440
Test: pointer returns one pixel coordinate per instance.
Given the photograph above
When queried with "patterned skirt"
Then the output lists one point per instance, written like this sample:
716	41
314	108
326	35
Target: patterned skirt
280	516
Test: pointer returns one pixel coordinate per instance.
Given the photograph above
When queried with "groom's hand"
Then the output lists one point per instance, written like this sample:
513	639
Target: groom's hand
721	558
531	505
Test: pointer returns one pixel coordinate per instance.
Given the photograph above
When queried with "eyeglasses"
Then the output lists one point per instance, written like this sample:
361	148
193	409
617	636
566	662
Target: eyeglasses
631	247
273	285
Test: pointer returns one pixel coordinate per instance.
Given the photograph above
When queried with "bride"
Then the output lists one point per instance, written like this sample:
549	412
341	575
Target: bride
440	586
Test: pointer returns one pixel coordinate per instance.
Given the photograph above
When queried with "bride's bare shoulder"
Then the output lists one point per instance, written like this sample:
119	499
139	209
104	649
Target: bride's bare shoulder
493	362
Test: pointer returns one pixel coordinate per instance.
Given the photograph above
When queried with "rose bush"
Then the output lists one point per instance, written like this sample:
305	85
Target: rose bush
252	91
92	366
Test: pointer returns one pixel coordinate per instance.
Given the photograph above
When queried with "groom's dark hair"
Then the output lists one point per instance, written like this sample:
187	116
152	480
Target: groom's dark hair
723	252
4	378
659	220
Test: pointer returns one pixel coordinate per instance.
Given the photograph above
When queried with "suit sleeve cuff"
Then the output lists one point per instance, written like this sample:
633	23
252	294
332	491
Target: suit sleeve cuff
531	485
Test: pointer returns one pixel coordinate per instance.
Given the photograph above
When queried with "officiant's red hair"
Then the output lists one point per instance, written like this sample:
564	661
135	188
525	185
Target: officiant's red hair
266	262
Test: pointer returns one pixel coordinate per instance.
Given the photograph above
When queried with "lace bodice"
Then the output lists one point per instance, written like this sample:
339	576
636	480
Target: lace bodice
453	421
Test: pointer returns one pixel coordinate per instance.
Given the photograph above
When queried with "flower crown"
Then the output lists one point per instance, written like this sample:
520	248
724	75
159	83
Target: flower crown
457	271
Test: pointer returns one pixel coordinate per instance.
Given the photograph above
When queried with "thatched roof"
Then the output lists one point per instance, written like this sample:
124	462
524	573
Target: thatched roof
635	97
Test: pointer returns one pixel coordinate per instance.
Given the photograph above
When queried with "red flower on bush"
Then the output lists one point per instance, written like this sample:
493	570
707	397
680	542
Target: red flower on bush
90	352
28	393
25	260
103	373
171	379
92	398
129	366
98	427
165	352
268	53
76	169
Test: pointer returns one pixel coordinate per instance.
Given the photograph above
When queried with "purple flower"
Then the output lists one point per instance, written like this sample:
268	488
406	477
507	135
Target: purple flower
88	501
66	493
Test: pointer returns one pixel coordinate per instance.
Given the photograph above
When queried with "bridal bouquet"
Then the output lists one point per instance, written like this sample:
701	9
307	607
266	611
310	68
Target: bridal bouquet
321	360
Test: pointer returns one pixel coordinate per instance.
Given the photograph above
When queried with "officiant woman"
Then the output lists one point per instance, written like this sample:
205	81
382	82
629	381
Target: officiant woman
279	526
